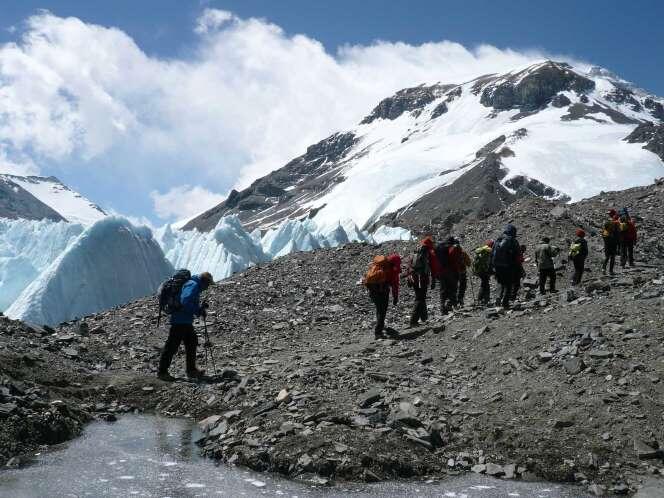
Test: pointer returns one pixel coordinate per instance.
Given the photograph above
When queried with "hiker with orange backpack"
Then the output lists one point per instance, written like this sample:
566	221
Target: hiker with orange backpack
627	238
383	277
424	270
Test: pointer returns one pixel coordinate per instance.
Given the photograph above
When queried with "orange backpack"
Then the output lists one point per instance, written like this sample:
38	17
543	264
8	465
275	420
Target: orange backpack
379	271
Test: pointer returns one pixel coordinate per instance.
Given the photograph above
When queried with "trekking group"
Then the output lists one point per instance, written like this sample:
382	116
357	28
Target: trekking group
447	263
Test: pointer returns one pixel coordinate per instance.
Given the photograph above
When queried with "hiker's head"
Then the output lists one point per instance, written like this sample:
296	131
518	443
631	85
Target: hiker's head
489	243
428	241
206	279
510	230
580	233
546	240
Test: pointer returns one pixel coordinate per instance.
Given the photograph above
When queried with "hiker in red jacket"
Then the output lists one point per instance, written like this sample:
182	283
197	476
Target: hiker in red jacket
628	238
450	259
383	277
424	270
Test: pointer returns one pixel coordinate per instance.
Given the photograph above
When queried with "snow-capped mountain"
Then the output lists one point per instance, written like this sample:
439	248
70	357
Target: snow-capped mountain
447	151
38	197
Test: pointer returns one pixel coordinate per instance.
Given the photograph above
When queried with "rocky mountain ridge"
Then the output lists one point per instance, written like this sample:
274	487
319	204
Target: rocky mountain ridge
425	144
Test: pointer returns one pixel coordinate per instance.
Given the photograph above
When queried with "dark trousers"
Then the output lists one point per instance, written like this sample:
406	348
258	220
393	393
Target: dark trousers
484	295
627	253
545	273
420	311
505	278
610	251
178	334
463	285
381	300
449	285
579	268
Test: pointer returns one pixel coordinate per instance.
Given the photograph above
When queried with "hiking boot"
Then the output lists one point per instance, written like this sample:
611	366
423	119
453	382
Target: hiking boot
196	374
165	376
379	335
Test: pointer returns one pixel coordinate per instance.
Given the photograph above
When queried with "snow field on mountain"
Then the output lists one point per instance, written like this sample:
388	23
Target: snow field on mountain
398	161
69	204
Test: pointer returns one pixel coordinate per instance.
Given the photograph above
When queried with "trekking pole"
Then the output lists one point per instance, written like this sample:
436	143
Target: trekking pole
208	345
472	289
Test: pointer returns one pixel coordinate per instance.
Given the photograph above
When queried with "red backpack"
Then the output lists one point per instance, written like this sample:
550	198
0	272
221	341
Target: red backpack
380	271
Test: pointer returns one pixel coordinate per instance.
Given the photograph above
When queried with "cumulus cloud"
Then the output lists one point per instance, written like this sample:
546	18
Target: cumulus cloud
248	100
184	202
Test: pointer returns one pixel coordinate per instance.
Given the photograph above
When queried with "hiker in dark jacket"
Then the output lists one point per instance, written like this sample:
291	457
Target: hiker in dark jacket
379	292
505	262
578	253
450	260
423	272
182	327
463	277
521	273
544	257
611	238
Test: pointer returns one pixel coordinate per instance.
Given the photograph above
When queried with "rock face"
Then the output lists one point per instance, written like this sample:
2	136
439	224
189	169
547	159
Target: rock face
534	88
651	135
408	99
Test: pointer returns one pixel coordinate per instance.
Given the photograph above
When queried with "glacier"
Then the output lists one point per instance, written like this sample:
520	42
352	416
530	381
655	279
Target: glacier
112	262
27	248
51	272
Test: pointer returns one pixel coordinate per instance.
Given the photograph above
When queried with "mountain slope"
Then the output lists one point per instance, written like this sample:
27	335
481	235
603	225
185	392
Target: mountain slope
61	202
547	129
17	203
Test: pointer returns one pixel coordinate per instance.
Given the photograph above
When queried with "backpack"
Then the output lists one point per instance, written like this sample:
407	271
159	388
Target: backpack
169	293
379	271
610	230
575	250
504	253
420	261
443	254
482	260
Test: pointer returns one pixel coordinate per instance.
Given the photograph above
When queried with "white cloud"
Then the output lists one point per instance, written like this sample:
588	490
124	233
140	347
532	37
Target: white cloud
212	19
184	202
250	98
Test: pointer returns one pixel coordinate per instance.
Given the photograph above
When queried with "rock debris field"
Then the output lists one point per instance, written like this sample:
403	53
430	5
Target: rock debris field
562	387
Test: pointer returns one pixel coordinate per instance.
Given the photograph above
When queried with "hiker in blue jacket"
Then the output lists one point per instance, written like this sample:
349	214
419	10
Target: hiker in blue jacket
182	327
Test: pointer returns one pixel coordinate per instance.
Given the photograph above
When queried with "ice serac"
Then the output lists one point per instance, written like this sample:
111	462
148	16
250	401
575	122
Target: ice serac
547	129
222	252
112	262
27	247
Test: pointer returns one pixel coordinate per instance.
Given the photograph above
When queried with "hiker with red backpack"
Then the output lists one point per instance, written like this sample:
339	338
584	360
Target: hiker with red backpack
450	260
381	278
505	262
424	270
627	238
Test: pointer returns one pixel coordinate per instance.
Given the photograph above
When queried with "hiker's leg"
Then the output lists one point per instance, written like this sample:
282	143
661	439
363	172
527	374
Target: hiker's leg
442	289
463	284
190	344
542	281
552	280
485	283
424	311
415	314
612	263
453	288
382	303
623	254
170	348
631	253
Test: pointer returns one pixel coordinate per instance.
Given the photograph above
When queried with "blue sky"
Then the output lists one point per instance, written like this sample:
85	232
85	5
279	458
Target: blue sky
108	163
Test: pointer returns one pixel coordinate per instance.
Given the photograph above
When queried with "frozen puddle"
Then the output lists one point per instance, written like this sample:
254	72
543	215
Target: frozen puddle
155	457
